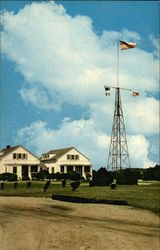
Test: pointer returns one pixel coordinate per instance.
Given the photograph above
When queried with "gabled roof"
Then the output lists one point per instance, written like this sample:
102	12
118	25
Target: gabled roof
60	152
8	150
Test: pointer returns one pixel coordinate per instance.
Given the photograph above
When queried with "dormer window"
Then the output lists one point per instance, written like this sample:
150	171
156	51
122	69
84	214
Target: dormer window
68	157
72	157
14	156
19	156
45	156
77	157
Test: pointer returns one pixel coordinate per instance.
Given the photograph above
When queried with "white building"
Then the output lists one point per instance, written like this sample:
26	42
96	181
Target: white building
65	160
18	160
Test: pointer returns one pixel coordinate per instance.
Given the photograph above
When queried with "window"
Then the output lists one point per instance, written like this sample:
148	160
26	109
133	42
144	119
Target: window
69	169
24	156
52	170
45	156
62	169
87	169
79	169
14	156
19	156
34	169
68	157
14	170
72	157
77	157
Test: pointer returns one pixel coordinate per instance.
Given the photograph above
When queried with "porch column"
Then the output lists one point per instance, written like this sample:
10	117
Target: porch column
19	172
91	171
83	172
29	172
74	168
65	169
38	168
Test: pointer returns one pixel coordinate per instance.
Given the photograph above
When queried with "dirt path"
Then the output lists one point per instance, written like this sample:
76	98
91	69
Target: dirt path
43	224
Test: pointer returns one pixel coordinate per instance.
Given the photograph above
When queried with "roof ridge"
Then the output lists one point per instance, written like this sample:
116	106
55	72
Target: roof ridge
6	151
60	149
9	148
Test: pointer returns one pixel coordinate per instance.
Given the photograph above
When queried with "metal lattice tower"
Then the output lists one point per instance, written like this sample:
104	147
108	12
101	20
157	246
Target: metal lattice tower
118	157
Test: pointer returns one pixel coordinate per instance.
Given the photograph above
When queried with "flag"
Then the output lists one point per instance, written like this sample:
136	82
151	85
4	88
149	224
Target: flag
126	45
106	90
135	93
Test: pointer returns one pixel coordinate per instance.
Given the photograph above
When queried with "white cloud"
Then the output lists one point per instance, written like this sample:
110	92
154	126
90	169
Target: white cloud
141	114
139	148
63	60
155	42
39	97
65	56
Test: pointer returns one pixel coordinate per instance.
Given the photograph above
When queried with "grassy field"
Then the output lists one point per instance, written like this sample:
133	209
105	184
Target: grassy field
146	195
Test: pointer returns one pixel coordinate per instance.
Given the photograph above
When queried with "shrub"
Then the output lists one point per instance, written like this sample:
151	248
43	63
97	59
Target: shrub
24	178
102	177
28	184
75	185
3	177
64	176
138	173
157	174
57	176
64	183
2	185
88	176
41	175
46	186
91	184
8	177
113	186
74	176
51	176
15	185
151	173
127	177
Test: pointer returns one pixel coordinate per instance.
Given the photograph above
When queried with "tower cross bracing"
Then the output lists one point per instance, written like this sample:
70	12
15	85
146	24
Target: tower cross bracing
118	157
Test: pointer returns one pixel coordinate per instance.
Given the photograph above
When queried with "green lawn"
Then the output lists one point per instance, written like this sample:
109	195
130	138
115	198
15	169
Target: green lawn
139	196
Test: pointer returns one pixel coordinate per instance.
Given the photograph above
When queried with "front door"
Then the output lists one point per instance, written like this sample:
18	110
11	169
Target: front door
25	171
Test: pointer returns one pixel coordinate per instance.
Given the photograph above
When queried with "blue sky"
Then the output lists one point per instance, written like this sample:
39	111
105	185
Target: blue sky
56	58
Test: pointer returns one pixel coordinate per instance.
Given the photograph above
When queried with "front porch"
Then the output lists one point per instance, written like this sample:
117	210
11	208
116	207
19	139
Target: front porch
24	171
81	169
